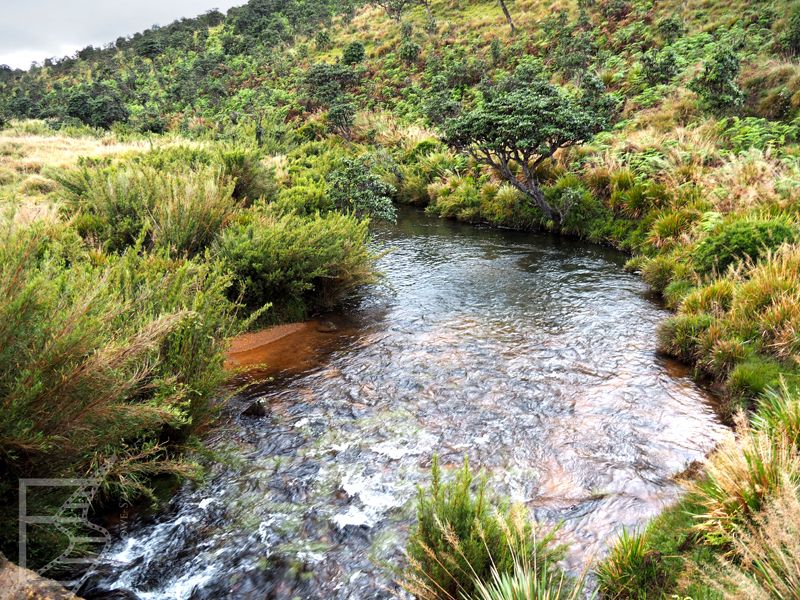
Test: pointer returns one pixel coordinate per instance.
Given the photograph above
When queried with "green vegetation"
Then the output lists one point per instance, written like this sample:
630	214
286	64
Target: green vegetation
667	129
467	545
117	306
631	570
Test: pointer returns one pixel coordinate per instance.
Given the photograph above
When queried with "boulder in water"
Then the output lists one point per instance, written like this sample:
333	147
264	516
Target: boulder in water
257	409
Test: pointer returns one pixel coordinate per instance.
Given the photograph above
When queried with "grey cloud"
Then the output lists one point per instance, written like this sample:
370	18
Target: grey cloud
38	29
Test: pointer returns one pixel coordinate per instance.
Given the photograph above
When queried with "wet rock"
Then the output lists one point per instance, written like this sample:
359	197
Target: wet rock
327	327
257	409
104	594
16	582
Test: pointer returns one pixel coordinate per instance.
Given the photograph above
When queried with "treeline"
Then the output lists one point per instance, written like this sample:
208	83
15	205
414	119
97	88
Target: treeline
140	78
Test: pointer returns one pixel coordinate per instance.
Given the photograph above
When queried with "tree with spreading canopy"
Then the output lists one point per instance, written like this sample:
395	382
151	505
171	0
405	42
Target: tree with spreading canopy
523	120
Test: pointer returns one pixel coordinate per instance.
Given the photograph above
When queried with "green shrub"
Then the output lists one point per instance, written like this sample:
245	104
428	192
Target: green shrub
659	66
342	117
739	240
354	53
670	29
299	264
462	538
791	37
409	52
355	188
324	83
323	40
716	85
574	200
632	570
120	359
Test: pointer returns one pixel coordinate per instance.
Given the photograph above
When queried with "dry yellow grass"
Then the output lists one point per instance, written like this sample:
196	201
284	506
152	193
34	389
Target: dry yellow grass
25	191
769	550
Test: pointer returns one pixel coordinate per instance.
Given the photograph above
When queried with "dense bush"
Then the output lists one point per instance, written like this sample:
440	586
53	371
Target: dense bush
324	83
717	85
342	116
670	29
354	54
129	351
659	66
409	51
353	187
298	264
739	240
791	37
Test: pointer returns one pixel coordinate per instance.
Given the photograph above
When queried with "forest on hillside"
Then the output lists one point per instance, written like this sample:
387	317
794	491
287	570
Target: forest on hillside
225	173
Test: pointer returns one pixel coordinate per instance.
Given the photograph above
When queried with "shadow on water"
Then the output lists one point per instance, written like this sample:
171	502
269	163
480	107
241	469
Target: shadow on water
532	355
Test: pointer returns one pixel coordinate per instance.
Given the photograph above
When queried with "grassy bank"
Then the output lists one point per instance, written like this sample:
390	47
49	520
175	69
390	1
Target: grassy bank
123	274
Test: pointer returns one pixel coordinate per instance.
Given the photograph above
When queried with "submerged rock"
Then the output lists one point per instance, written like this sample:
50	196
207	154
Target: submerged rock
327	327
258	409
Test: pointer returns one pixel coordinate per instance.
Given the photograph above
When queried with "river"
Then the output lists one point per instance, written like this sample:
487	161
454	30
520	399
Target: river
532	355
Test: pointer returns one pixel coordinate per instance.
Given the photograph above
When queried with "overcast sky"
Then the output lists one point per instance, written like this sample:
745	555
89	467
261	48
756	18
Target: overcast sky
32	30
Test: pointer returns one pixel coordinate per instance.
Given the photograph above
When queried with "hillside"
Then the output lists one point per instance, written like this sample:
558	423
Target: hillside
262	142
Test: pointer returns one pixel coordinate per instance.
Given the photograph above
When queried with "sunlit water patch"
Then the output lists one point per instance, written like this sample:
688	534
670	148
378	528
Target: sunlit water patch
531	355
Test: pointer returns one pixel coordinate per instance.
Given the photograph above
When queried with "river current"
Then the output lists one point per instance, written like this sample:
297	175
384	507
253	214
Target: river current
534	356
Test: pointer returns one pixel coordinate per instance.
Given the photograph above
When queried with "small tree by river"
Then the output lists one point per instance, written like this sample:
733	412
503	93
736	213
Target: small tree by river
525	119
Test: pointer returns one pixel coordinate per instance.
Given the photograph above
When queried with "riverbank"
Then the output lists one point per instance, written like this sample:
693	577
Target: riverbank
17	583
119	299
731	279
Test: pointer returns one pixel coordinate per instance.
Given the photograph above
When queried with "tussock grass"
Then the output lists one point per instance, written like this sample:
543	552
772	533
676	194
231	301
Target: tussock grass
631	570
767	551
469	545
740	479
116	205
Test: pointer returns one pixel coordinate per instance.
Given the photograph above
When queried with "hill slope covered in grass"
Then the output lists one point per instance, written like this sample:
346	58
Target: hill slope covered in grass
669	129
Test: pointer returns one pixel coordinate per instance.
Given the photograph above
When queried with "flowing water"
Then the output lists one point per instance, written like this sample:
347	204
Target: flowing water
532	355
